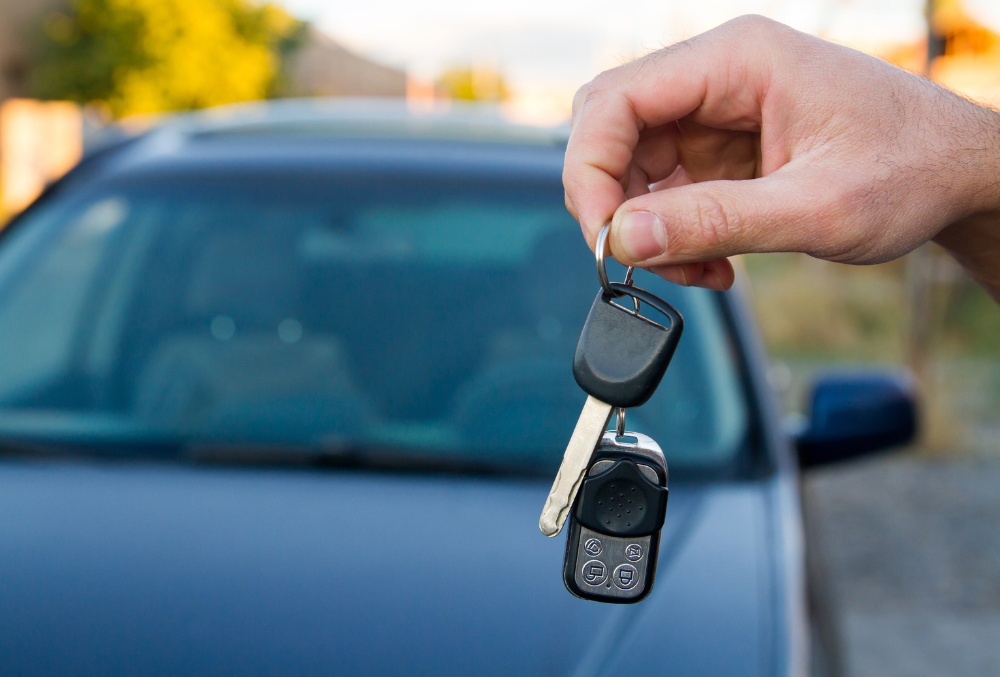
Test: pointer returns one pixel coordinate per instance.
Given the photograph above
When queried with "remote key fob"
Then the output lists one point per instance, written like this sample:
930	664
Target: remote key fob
614	526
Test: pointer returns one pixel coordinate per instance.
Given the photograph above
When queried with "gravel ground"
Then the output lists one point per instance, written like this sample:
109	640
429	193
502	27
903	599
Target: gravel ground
911	548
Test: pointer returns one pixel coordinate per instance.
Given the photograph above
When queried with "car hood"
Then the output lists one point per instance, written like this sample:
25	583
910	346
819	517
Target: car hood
164	569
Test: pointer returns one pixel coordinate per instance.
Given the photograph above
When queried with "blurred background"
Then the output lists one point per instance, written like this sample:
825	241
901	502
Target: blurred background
910	543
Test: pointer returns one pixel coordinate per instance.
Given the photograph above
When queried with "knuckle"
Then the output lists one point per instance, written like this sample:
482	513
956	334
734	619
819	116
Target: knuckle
754	29
569	206
580	97
754	22
714	224
602	83
600	80
571	175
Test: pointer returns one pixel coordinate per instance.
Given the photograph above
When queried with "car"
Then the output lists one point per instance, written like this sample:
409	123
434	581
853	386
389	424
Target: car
284	387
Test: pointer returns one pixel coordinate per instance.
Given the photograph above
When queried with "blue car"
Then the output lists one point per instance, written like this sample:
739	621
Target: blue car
283	389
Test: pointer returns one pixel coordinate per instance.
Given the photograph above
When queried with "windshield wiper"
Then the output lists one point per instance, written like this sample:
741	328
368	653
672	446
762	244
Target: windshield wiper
298	455
393	459
42	447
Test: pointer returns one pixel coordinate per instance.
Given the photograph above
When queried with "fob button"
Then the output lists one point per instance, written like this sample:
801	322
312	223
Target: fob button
626	576
633	553
621	502
619	513
595	572
593	547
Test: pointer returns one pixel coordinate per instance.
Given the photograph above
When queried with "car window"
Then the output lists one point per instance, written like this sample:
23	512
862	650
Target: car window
40	311
410	316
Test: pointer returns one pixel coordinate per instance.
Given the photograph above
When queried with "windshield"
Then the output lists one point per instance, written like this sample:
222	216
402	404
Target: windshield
421	317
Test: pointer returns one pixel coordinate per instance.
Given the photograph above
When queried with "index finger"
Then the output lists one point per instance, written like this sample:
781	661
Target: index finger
709	77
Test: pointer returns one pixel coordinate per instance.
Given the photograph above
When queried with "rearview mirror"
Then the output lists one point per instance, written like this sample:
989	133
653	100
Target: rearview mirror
853	414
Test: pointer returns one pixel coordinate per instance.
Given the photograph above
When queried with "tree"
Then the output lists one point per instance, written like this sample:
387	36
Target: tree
472	84
146	56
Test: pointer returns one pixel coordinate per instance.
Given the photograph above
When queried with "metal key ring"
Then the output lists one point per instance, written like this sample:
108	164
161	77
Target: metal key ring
602	273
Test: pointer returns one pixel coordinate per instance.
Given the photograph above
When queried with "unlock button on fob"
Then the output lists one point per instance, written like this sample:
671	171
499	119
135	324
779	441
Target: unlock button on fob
626	576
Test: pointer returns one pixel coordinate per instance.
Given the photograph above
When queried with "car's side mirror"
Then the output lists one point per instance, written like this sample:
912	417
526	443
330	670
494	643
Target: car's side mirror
853	414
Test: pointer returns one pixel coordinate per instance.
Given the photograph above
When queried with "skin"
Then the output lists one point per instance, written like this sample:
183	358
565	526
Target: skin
754	137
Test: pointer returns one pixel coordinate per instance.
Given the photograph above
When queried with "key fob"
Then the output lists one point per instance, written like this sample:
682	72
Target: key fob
615	522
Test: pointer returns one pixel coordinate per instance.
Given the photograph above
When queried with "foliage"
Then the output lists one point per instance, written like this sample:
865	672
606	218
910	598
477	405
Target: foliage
971	322
814	309
472	84
146	56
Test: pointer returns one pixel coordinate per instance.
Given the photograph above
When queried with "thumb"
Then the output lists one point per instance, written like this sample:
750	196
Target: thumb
708	220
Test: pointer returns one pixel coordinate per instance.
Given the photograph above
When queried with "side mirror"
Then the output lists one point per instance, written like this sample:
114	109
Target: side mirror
854	414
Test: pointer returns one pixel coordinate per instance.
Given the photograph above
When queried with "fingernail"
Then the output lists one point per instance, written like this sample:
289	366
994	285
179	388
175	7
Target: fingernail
642	236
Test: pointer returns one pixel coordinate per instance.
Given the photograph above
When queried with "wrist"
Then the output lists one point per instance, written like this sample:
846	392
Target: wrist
982	161
973	235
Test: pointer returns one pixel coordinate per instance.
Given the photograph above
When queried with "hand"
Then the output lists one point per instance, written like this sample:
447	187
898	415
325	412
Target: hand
754	137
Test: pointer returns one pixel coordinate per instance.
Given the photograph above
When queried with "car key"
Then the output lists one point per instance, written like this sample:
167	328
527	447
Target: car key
620	358
614	527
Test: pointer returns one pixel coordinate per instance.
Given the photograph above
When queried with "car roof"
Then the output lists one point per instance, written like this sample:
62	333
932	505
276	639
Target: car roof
347	117
348	131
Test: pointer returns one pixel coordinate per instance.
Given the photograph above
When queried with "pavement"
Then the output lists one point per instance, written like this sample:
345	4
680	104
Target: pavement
910	545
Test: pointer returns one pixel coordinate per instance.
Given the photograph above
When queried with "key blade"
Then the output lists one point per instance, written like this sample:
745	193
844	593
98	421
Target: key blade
586	436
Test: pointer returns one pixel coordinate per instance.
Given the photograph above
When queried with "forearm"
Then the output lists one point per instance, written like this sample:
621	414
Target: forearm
974	240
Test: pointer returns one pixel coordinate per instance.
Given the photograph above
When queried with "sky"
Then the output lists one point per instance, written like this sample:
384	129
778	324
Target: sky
548	48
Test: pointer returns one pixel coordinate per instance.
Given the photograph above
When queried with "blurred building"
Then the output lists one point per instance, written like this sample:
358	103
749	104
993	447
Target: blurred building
39	142
19	24
322	67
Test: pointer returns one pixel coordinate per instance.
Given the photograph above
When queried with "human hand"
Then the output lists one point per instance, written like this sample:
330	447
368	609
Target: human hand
754	137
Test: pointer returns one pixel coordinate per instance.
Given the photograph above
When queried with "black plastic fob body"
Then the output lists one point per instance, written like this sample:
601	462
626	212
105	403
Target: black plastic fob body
621	356
615	522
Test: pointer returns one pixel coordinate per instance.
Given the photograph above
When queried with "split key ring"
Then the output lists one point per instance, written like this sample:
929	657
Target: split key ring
602	274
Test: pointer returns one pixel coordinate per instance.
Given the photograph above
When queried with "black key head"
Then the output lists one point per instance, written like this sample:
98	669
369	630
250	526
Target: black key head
621	356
